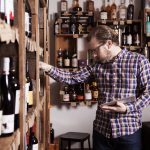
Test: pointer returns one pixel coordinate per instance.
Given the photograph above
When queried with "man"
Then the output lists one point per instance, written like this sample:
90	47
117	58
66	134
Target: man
120	74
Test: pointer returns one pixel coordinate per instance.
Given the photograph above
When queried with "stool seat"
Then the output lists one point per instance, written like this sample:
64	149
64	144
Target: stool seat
75	137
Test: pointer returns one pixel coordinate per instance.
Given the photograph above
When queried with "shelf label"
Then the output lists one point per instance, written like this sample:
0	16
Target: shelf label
73	104
121	22
103	21
115	22
75	35
88	103
82	103
129	21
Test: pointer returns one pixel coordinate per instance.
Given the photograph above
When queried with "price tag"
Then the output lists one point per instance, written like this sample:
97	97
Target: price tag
129	21
132	48
73	104
115	22
82	103
75	35
121	22
103	21
88	103
148	44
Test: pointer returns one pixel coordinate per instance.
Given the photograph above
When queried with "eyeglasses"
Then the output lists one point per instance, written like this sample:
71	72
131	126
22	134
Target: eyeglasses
95	49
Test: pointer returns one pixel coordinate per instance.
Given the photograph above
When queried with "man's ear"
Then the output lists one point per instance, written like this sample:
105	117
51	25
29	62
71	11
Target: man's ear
109	43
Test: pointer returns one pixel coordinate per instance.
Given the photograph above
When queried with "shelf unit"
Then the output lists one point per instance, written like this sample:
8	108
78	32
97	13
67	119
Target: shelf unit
40	111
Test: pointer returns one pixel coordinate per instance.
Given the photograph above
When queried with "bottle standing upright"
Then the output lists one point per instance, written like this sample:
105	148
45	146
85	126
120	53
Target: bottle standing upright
8	99
51	134
16	90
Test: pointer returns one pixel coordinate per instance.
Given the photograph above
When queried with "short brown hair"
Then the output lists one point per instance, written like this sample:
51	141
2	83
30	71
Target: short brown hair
103	33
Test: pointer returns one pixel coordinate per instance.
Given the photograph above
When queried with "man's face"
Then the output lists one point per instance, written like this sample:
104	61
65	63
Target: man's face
100	51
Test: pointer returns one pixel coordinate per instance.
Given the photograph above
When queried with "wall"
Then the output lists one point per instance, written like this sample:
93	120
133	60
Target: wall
80	118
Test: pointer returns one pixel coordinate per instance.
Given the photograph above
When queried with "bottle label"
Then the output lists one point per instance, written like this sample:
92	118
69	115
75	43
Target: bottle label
63	6
66	62
35	146
60	62
17	101
80	97
114	14
66	97
8	124
30	96
74	62
95	94
88	96
56	28
104	15
122	13
129	39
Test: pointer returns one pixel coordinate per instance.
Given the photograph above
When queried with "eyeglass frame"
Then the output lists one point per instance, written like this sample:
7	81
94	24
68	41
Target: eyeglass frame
95	49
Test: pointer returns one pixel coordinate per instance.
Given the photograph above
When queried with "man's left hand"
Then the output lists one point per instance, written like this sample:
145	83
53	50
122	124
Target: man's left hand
118	107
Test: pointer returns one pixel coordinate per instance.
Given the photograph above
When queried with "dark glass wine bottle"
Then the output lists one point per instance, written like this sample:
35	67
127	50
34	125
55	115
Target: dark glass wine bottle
8	100
30	92
16	89
130	11
2	10
33	141
51	134
28	19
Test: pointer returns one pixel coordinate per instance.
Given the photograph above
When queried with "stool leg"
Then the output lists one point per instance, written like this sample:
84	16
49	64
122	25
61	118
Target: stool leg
82	145
89	143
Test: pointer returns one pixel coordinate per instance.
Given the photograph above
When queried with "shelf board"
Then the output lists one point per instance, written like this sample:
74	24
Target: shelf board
72	35
11	142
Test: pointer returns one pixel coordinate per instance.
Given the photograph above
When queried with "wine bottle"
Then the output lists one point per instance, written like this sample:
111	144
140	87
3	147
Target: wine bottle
94	91
9	12
66	97
8	100
108	9
30	92
51	134
130	11
72	93
90	6
33	141
113	10
103	13
2	10
28	19
80	92
66	59
88	93
63	6
122	10
16	90
76	7
60	58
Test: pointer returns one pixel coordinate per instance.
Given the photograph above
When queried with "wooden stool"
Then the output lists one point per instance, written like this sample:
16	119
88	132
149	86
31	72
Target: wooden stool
75	137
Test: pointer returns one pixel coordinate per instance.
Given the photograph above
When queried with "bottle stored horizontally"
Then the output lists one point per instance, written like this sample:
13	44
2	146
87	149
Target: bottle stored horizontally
15	88
52	134
8	100
130	10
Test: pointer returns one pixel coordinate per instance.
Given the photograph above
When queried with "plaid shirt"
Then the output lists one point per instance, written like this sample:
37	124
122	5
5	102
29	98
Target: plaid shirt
128	75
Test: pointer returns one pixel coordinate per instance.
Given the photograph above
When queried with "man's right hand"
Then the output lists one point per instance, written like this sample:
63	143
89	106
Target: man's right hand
44	66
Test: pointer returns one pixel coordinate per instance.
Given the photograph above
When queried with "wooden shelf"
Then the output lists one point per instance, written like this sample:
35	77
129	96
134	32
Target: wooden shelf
10	143
72	35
